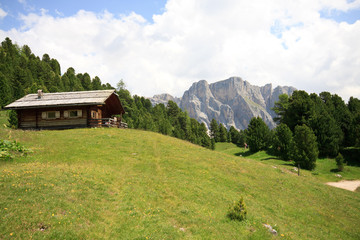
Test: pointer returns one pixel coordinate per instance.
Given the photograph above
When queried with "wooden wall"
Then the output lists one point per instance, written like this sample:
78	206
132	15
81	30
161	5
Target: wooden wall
27	118
32	118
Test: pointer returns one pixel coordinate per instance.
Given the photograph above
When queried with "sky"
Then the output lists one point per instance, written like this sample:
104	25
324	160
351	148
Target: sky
163	46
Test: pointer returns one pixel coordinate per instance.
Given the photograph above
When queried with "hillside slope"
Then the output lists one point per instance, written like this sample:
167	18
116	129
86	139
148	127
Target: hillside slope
129	184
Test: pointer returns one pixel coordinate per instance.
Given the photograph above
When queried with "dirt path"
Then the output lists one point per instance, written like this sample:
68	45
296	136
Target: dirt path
348	185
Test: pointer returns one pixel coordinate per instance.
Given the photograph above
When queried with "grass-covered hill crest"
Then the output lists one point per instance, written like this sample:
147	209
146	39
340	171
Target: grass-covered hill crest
132	184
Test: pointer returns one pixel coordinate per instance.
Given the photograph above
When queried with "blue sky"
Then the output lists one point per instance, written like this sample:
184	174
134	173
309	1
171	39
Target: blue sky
350	16
146	8
159	46
64	8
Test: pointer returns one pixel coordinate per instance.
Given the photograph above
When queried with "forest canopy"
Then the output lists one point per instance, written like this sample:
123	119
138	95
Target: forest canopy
21	73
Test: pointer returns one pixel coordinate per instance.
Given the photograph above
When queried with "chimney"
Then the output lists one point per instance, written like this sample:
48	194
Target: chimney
40	94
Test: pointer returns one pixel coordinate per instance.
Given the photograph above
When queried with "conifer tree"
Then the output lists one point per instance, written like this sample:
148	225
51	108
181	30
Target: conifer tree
96	83
304	148
5	91
299	110
282	141
280	108
214	130
235	135
222	133
354	108
257	135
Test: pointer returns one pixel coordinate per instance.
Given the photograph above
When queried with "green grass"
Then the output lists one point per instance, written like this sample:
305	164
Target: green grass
130	184
326	169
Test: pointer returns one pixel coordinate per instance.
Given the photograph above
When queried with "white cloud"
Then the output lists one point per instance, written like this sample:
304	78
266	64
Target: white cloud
205	39
2	13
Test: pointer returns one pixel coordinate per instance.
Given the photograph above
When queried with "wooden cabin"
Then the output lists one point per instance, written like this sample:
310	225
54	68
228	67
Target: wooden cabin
65	110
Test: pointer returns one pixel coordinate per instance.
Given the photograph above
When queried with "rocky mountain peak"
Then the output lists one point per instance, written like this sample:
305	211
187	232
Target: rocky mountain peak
233	101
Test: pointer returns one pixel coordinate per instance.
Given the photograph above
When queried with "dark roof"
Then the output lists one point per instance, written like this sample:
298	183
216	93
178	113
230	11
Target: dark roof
96	97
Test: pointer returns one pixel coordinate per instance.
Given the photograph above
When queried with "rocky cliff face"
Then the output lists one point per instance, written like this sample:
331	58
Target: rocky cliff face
232	102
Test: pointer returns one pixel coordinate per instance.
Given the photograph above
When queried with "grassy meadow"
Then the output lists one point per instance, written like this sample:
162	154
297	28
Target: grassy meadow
326	169
131	184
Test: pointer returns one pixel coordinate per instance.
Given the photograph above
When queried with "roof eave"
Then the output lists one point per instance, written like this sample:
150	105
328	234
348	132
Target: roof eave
54	105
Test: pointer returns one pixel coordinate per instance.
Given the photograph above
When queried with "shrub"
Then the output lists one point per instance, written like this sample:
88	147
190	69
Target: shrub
9	148
13	119
5	155
340	162
238	211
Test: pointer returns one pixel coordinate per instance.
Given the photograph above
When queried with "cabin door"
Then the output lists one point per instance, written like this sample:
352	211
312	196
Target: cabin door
96	115
99	113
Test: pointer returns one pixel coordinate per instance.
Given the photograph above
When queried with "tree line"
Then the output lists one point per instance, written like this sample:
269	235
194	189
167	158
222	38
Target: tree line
309	126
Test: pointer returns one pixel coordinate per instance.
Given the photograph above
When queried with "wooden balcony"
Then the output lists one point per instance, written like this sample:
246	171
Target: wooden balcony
107	122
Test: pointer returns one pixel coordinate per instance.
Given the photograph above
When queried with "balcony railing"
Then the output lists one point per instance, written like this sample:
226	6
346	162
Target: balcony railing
107	122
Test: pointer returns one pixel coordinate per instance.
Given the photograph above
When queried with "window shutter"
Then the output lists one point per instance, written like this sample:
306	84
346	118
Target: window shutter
66	114
79	113
57	114
43	115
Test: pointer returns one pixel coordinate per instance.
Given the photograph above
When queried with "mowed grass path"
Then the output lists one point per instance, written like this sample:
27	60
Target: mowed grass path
130	184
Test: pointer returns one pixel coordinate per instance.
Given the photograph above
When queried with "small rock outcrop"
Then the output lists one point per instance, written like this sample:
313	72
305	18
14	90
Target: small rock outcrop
164	99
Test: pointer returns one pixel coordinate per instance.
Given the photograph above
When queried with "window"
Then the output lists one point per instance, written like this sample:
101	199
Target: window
50	115
73	114
94	114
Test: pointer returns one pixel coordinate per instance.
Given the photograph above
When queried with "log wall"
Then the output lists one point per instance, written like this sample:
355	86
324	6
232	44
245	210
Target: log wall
33	119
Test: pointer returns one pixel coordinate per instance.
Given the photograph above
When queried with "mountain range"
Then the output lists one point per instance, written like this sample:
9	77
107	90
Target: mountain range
232	102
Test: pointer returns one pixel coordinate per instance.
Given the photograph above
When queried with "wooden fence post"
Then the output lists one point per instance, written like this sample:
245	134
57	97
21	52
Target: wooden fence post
298	169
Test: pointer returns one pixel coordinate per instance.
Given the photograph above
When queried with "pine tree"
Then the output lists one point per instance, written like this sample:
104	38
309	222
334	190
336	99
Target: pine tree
282	141
235	135
66	83
328	134
214	130
222	133
5	91
280	108
354	108
258	134
299	110
96	83
205	140
304	148
26	50
55	66
85	81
